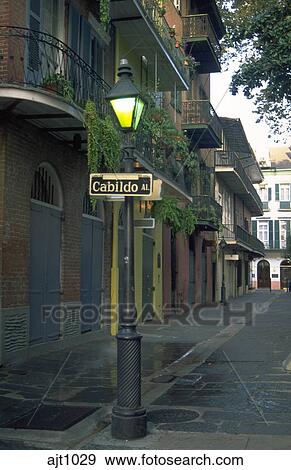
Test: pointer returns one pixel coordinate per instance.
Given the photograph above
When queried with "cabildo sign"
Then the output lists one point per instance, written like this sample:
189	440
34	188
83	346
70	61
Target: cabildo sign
121	184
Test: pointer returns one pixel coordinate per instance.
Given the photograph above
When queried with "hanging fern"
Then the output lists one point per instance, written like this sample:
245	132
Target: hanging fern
103	141
180	219
92	123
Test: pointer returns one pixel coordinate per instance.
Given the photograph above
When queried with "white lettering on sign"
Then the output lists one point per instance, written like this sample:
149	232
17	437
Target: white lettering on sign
121	184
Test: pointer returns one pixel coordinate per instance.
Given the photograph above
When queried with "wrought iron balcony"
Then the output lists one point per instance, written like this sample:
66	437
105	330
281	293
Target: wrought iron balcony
38	60
201	123
157	160
237	235
202	41
46	83
228	167
209	212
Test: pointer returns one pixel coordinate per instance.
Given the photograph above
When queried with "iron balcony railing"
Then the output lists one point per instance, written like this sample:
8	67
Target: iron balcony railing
159	159
152	9
200	112
41	61
198	26
230	159
207	209
238	233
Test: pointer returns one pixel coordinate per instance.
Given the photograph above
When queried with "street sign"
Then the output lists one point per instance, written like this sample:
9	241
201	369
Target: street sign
231	257
147	222
121	184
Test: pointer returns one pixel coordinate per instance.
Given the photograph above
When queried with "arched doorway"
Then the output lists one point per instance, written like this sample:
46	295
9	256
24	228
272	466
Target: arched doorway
285	273
263	274
91	264
45	255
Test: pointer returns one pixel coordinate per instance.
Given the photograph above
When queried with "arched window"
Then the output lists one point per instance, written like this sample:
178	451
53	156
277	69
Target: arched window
46	186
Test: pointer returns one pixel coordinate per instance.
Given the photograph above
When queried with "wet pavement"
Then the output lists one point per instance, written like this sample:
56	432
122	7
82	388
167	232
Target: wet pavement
198	380
242	388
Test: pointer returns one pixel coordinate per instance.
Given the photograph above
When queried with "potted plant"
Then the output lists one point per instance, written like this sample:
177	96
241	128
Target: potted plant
162	10
59	84
172	32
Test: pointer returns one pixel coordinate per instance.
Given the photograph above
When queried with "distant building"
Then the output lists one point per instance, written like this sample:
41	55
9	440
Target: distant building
273	227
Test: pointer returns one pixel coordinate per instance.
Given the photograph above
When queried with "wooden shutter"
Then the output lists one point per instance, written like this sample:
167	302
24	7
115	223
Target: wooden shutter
277	192
269	194
254	228
86	41
74	25
277	235
34	24
271	234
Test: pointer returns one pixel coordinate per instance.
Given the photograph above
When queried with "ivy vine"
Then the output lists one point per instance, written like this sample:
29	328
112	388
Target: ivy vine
180	219
103	141
104	12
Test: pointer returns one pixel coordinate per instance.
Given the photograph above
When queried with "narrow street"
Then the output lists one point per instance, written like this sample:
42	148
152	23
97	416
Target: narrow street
205	386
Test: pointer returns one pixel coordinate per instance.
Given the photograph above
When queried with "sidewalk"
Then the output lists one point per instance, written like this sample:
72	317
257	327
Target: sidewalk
59	400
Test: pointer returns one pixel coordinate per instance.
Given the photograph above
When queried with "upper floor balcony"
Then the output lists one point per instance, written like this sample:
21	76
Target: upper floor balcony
163	165
231	170
142	24
201	123
237	237
209	213
44	82
202	42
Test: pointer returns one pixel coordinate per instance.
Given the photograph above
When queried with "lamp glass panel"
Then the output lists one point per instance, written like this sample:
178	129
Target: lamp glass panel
138	112
124	109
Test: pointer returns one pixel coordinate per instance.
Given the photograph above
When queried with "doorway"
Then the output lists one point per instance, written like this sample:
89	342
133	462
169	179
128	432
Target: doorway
45	255
263	274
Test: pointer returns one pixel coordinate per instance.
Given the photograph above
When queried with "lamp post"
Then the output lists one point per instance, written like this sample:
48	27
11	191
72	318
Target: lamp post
222	245
129	419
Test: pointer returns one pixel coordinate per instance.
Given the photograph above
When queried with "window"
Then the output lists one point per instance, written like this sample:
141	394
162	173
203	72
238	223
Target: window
283	233
263	232
264	194
284	192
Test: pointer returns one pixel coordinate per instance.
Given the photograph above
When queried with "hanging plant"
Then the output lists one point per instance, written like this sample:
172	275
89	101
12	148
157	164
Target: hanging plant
103	141
104	12
189	220
192	164
168	212
179	219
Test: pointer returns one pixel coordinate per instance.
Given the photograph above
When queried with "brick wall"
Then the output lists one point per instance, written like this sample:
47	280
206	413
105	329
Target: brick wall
26	149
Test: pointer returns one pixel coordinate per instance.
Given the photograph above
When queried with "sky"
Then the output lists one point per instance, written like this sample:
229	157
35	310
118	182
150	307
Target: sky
227	105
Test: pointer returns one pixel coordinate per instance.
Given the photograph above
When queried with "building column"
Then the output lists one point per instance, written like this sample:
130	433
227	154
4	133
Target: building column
198	269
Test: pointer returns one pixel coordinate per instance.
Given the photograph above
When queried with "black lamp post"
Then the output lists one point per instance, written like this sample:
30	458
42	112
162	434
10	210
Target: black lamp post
129	419
222	245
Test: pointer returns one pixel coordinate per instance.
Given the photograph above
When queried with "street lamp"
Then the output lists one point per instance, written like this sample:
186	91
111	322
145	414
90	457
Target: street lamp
223	245
129	420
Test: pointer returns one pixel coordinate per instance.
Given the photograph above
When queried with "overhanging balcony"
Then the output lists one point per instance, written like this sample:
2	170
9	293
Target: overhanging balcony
238	238
201	123
44	82
209	213
231	170
202	42
144	28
